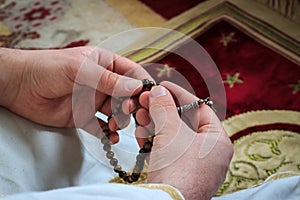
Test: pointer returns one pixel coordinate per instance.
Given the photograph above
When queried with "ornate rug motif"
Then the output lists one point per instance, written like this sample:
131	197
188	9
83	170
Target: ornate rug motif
266	144
36	24
21	21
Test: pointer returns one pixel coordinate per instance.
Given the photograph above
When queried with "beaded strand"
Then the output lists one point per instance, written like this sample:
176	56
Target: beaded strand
146	149
143	152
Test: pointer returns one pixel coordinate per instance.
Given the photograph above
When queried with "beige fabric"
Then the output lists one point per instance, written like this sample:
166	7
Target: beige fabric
137	13
173	192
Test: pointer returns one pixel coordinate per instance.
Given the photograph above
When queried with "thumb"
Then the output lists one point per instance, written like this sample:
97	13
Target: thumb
163	110
172	136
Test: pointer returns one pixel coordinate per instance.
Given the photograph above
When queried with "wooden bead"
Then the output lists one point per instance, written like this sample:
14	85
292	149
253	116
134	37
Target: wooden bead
106	147
135	176
130	180
106	130
147	146
104	140
125	178
122	174
113	162
147	84
118	168
110	154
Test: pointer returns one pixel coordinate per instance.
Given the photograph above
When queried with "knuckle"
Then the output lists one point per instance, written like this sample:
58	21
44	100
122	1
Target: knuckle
109	80
166	103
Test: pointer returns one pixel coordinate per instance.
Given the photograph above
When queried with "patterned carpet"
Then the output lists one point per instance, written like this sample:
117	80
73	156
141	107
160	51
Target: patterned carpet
256	53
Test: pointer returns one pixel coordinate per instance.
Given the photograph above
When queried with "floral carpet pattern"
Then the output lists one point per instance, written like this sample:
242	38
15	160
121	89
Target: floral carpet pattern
261	80
33	24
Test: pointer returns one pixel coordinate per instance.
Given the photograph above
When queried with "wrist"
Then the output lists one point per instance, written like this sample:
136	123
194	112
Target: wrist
3	75
10	75
191	191
191	186
172	191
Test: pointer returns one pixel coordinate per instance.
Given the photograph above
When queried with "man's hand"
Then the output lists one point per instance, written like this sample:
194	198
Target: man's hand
193	154
51	87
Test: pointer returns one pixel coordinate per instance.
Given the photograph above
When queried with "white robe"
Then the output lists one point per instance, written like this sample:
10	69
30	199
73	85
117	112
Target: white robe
45	163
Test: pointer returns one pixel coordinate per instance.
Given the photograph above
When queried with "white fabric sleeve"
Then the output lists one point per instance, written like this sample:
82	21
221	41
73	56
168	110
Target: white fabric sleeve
108	191
38	162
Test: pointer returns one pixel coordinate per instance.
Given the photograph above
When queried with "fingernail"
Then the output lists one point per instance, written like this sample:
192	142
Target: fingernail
158	91
132	85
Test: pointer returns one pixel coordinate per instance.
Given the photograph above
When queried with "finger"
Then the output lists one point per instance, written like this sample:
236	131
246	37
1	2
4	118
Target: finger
119	121
141	134
144	99
142	117
94	127
130	105
201	118
172	136
129	68
114	137
121	65
107	82
163	110
103	105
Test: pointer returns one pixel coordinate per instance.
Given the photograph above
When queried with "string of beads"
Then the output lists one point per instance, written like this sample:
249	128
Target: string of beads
143	152
146	149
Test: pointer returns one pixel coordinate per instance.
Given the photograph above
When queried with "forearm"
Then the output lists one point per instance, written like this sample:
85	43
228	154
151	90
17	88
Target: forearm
10	75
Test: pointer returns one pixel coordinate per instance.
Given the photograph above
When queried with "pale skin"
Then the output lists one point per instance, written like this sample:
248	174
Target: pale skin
40	85
199	169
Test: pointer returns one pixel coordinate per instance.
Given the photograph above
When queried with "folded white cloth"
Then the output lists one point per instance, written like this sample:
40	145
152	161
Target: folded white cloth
107	191
44	163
